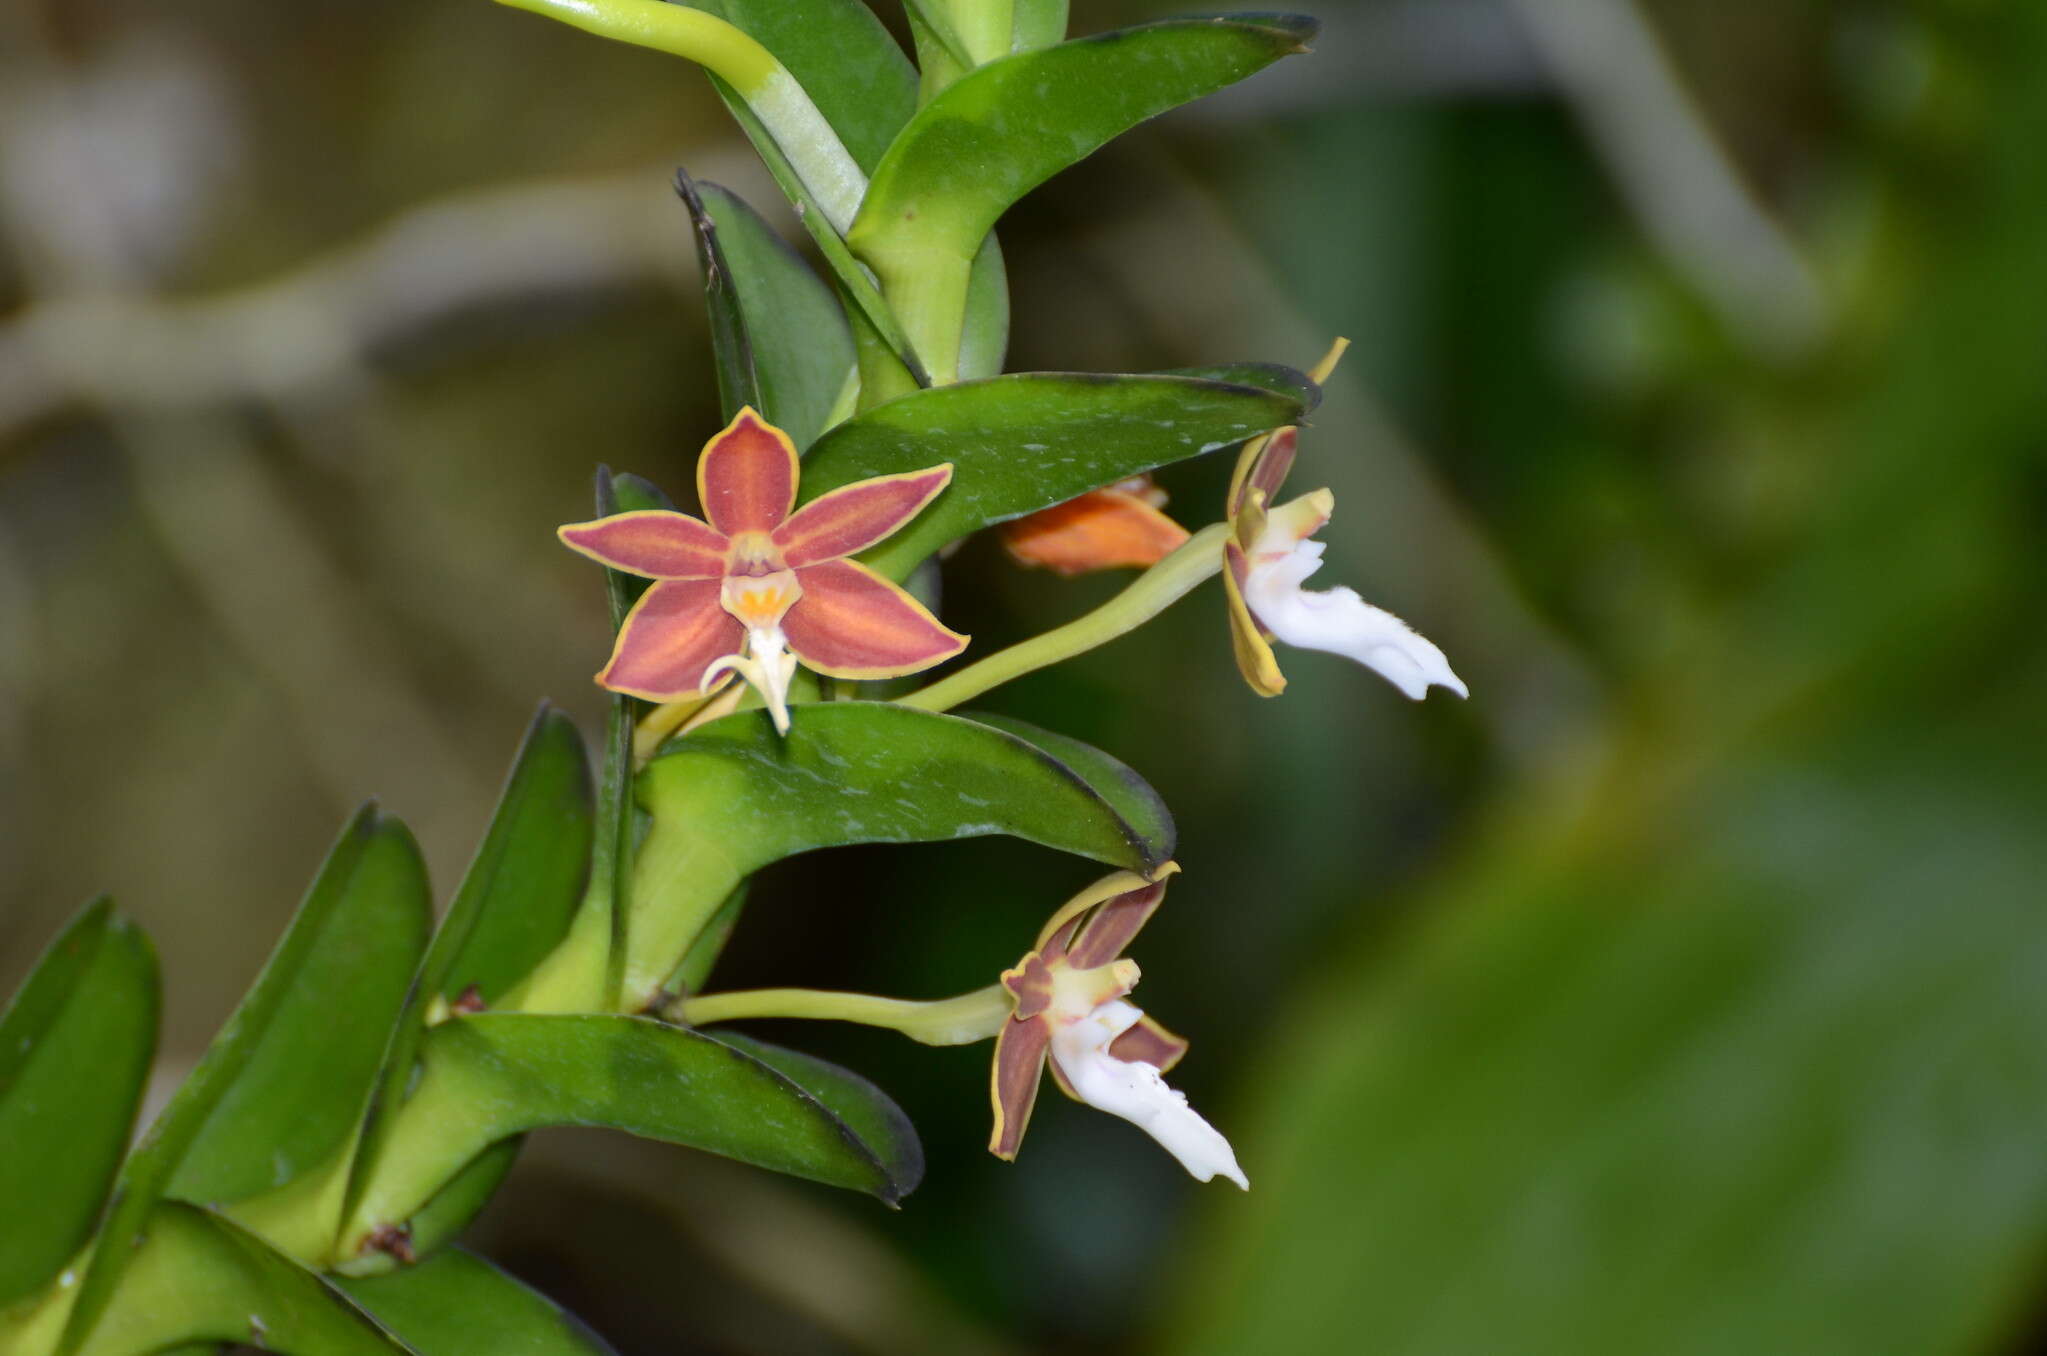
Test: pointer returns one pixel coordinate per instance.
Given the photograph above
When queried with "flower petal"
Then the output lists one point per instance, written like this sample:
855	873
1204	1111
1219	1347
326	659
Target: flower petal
852	623
669	639
1341	622
1255	659
1111	926
1135	1091
1013	1081
746	476
1262	468
1149	1043
1101	530
1059	929
855	517
656	543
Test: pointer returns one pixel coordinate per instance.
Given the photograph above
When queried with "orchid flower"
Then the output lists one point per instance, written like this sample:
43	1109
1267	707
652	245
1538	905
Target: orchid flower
756	574
1106	529
1267	556
1072	1014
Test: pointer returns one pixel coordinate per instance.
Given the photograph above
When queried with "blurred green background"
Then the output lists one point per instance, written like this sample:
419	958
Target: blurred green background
1684	992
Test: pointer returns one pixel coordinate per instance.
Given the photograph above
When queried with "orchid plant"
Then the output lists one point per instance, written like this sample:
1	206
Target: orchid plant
768	697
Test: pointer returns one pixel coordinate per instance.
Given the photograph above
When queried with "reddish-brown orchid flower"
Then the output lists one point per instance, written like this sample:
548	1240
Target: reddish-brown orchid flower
1072	1015
780	582
1106	529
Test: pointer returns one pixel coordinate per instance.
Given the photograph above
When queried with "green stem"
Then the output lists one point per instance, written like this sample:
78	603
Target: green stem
812	147
961	1020
1151	593
985	26
926	291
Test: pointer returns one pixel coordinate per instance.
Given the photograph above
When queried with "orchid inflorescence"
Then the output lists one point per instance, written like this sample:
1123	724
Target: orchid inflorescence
768	697
780	578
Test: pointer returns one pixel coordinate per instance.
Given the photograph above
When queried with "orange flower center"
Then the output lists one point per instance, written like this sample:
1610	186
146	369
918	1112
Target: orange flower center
761	600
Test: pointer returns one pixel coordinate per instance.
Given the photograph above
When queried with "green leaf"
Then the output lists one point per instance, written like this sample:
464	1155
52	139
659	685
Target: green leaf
1005	128
1030	440
312	1033
514	904
75	1047
456	1303
197	1278
739	383
937	40
771	316
1116	782
869	1112
703	953
529	873
985	340
283	1086
844	59
495	1075
1275	377
1008	126
733	796
464	1196
1039	24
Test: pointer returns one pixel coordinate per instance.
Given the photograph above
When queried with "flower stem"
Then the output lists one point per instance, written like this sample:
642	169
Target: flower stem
1151	593
961	1020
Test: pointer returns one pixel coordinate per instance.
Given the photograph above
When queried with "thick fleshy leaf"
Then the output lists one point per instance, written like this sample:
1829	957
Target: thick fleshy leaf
1111	778
653	543
282	1088
496	1075
852	623
854	517
868	1111
1006	127
703	953
1038	24
733	796
669	639
731	346
528	874
196	1278
457	1304
305	1078
75	1047
746	476
782	343
514	904
984	341
463	1197
1275	377
1027	441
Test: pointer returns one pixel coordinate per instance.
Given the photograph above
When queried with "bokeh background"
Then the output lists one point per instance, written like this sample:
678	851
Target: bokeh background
1685	991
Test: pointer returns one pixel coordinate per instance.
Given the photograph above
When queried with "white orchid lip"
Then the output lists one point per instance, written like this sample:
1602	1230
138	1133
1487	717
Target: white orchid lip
1337	620
767	665
1137	1091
